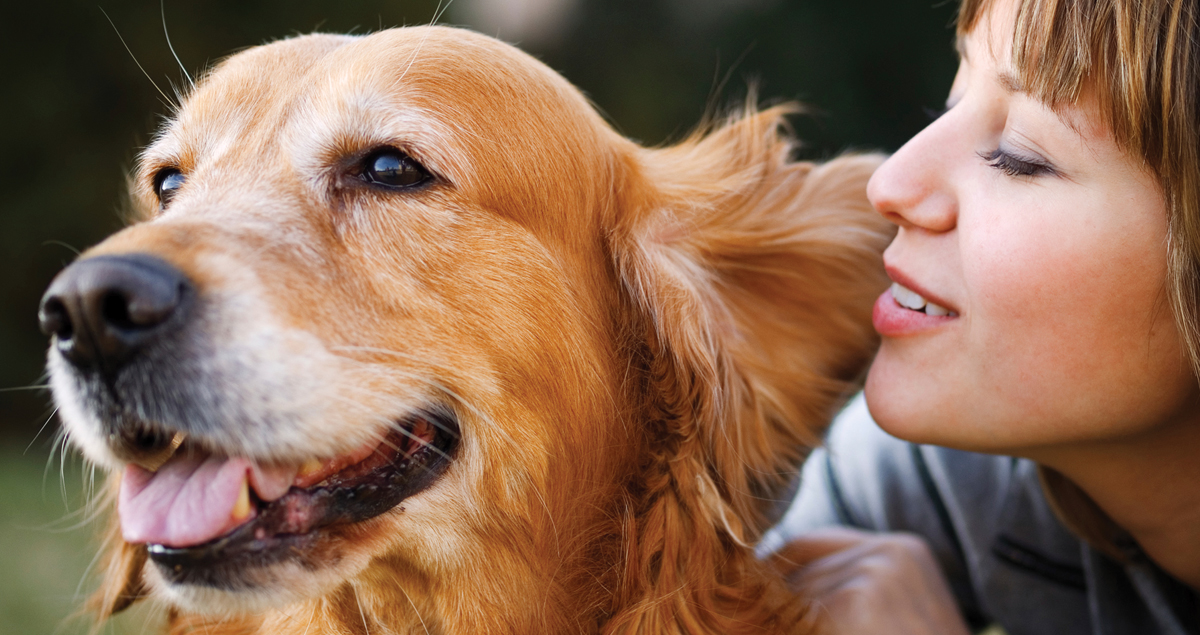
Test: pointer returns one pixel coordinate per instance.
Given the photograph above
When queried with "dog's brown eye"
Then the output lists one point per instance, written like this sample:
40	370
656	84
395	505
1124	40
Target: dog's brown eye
166	183
392	168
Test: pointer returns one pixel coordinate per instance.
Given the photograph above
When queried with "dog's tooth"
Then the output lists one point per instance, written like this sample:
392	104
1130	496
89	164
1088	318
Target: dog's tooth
310	467
242	509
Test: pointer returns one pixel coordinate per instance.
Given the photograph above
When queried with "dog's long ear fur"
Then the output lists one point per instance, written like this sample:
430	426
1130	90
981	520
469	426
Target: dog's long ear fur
753	278
120	567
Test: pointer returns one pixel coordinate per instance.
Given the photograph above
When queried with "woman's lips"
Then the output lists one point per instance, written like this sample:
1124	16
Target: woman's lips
893	320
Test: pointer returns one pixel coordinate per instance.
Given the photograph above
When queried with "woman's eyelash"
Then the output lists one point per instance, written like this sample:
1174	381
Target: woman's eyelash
1015	166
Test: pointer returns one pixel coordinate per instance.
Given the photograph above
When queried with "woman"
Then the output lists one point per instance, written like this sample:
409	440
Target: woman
1045	308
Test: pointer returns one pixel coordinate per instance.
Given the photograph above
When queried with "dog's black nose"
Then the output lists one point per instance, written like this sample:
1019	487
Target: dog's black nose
102	309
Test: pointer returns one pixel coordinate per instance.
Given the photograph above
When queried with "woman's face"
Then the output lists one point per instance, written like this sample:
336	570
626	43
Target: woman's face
1047	246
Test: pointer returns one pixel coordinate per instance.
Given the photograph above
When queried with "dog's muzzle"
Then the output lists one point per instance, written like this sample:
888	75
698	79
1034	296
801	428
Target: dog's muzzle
102	312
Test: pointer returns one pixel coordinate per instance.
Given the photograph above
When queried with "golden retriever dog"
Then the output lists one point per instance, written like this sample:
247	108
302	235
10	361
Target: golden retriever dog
408	340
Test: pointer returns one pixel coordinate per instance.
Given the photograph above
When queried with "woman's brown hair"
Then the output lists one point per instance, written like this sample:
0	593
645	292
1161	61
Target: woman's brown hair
1140	59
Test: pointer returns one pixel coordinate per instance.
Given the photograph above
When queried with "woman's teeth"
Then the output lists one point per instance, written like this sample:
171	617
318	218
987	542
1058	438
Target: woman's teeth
910	299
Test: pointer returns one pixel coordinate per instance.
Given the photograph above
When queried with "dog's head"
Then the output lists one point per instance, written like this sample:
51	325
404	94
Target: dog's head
407	332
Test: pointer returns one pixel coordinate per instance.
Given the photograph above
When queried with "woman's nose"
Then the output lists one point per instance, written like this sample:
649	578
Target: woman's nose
914	188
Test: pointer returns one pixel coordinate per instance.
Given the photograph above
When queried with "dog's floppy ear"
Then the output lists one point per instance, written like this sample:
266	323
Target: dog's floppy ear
754	276
121	565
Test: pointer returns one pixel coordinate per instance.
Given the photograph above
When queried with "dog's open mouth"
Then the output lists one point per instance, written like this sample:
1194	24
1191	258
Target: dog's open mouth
204	518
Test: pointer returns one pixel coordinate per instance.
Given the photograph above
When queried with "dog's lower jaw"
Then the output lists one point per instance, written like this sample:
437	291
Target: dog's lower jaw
520	592
698	581
221	604
282	586
386	597
664	565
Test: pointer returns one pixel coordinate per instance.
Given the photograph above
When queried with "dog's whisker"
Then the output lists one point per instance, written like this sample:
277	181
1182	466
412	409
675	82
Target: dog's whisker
424	444
146	621
311	618
90	492
440	11
58	243
166	100
39	432
54	448
390	353
414	608
553	524
436	385
39	387
162	9
363	615
413	375
437	14
62	475
96	505
87	571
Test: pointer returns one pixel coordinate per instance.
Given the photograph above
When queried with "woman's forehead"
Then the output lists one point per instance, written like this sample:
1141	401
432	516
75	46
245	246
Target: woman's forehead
987	49
991	33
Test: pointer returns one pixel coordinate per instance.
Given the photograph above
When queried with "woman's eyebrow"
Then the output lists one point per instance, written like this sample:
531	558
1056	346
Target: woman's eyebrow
1013	86
1010	83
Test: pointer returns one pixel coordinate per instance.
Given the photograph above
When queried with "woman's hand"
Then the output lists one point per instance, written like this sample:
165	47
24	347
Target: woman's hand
868	583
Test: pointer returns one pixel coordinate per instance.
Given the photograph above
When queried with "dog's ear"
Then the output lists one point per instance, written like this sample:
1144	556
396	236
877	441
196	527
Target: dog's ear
121	565
754	277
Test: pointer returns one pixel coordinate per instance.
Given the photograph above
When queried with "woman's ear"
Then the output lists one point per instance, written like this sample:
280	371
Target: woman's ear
755	277
121	582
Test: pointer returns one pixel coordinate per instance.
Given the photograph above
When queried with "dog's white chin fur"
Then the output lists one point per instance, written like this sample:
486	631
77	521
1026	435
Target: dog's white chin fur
272	587
82	427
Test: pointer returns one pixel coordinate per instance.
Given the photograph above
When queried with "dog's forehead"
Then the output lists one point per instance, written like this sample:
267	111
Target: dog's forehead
288	121
426	88
240	92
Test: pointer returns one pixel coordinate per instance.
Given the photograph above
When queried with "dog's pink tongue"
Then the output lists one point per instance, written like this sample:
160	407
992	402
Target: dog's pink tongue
190	500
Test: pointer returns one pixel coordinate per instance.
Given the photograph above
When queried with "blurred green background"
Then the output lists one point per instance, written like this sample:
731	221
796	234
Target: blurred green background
76	108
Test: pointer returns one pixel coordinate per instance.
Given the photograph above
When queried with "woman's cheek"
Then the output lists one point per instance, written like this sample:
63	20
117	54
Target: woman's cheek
1062	318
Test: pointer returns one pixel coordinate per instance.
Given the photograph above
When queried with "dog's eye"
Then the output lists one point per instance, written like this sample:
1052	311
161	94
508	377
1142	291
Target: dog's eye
166	183
392	168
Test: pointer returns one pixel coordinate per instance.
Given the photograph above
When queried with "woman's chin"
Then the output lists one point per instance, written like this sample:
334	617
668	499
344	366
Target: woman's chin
900	402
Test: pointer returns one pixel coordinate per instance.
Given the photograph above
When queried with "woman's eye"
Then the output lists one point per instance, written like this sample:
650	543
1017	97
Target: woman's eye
392	168
167	182
1012	165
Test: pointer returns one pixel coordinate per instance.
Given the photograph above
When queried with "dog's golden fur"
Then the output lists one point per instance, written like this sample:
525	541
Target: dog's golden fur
641	344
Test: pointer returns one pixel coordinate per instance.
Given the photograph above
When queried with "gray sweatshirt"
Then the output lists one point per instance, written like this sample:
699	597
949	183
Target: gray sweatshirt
1008	558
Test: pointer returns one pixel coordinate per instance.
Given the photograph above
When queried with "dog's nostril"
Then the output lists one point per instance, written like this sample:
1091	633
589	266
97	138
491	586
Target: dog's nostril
54	319
114	310
140	309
